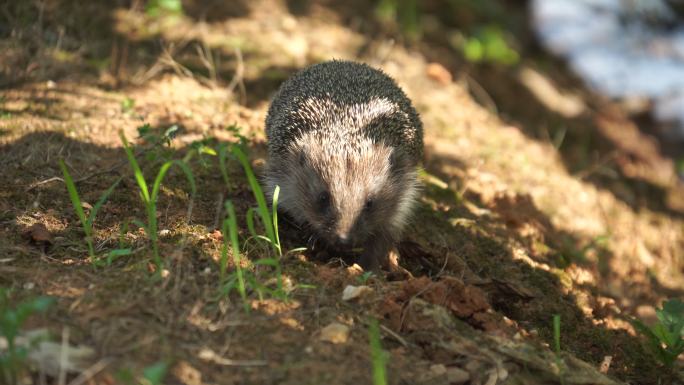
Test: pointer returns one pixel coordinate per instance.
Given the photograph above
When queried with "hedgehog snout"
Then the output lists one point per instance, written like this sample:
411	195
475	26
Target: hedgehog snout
343	239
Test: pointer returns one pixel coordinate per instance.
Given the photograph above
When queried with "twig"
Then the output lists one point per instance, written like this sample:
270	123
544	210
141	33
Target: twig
219	207
238	78
42	182
210	355
395	335
207	59
480	91
89	373
608	158
63	357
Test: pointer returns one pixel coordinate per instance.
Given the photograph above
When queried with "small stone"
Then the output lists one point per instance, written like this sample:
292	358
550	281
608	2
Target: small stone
39	233
438	369
457	375
355	269
646	313
352	292
336	333
164	232
605	365
438	73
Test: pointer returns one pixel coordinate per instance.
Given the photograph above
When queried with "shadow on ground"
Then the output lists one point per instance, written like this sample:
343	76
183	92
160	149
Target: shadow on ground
448	239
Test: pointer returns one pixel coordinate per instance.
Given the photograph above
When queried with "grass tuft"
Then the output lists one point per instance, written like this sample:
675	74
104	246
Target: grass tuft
230	229
150	198
86	221
666	337
13	365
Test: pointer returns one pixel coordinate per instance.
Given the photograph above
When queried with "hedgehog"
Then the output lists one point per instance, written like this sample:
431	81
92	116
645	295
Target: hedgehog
344	145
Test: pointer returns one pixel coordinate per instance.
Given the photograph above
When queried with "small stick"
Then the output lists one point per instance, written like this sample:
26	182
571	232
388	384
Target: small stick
395	335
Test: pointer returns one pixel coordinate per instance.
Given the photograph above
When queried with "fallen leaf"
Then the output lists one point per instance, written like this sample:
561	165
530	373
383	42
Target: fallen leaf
438	369
48	355
605	365
352	292
336	333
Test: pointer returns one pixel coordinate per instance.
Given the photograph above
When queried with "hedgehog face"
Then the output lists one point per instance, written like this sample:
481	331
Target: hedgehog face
346	192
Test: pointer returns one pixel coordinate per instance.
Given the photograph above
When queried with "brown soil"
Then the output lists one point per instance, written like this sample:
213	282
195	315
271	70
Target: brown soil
513	227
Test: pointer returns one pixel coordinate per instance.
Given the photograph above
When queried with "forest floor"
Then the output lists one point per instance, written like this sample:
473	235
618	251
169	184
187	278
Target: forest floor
540	199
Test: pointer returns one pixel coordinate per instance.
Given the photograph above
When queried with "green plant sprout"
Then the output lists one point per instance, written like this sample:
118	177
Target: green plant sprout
556	333
156	8
230	230
266	217
364	277
666	337
151	375
489	45
86	221
150	198
127	104
269	219
405	13
13	360
378	355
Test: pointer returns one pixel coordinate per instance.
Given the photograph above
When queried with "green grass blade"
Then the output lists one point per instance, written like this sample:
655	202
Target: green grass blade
556	332
137	172
233	230
223	262
140	224
264	238
258	193
188	175
154	374
222	155
100	202
116	253
274	215
378	357
296	250
158	180
75	199
250	223
266	262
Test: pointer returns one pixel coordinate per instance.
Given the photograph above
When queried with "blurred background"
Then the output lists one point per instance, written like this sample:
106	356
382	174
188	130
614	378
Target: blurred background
627	51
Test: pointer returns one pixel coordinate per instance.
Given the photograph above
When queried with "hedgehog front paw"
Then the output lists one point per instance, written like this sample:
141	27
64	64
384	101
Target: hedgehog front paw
375	256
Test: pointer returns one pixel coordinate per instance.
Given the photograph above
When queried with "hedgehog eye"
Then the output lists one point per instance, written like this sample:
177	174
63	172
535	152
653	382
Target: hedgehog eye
324	199
368	205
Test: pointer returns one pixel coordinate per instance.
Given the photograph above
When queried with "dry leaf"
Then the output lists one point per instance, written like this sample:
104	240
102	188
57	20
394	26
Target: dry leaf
49	355
336	333
352	292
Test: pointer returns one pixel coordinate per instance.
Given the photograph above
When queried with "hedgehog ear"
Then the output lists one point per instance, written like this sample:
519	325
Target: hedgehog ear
301	158
399	161
297	157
